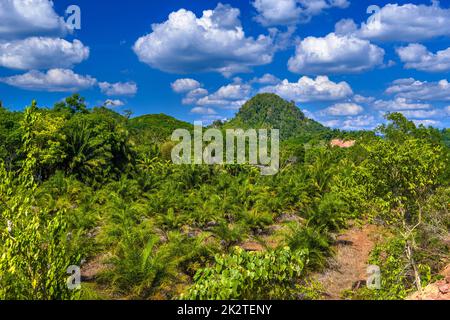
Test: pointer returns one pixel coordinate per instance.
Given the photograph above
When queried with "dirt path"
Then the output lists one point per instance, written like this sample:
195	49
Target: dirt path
349	265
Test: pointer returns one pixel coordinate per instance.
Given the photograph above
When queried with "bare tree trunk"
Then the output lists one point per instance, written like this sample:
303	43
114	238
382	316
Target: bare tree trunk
409	255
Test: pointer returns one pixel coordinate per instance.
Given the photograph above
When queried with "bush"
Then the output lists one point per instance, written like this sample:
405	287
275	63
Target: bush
250	276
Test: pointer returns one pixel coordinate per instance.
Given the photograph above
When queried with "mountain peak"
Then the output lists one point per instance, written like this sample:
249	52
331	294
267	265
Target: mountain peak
269	111
270	106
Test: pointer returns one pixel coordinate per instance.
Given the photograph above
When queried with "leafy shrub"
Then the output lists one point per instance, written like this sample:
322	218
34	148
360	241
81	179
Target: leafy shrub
396	274
249	276
35	244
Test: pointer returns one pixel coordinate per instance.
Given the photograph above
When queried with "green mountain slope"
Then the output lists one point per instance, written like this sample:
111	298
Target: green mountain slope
269	111
156	127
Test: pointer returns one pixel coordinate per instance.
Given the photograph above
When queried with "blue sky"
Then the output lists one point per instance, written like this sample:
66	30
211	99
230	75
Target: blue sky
200	60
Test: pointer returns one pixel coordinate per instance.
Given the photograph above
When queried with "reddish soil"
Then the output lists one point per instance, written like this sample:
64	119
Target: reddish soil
435	291
349	265
342	144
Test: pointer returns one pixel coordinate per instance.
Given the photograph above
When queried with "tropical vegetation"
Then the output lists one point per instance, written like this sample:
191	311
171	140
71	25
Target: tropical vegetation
97	189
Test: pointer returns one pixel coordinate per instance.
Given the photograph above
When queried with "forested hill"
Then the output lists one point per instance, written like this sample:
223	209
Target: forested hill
156	127
264	111
269	111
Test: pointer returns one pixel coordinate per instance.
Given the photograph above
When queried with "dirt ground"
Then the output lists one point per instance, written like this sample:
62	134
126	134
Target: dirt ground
349	265
435	291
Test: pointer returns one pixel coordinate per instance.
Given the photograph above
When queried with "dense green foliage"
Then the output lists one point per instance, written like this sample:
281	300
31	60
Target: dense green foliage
155	128
250	276
93	188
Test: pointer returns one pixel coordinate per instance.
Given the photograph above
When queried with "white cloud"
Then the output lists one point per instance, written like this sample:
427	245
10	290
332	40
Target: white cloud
345	27
332	123
41	53
399	104
428	123
114	103
359	122
420	90
119	88
344	109
289	12
335	54
208	119
193	96
266	79
54	80
406	23
447	110
19	19
421	114
309	114
202	110
362	99
308	89
234	91
216	42
231	96
185	85
417	56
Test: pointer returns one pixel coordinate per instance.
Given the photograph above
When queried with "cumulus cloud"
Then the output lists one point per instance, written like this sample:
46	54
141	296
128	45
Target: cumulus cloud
216	42
119	88
204	111
359	122
345	27
420	90
404	23
344	109
54	80
399	104
421	114
362	99
193	96
290	12
41	53
231	96
334	123
417	56
185	85
20	19
307	89
114	103
428	123
335	54
191	88
447	110
266	79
